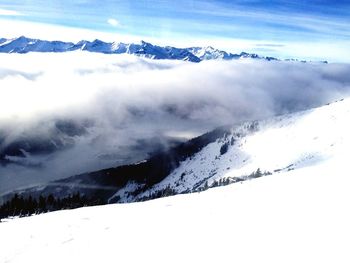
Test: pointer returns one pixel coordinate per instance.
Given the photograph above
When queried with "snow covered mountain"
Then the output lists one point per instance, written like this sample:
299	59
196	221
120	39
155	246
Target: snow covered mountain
297	214
25	45
208	53
143	49
254	149
227	155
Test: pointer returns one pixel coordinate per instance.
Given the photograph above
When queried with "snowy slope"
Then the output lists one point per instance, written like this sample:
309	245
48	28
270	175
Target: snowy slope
300	216
281	144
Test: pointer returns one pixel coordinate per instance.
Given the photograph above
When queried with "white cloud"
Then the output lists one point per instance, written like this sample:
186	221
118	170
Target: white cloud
113	22
130	101
7	12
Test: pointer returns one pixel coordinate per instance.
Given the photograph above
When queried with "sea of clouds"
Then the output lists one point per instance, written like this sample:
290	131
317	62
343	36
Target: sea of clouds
127	107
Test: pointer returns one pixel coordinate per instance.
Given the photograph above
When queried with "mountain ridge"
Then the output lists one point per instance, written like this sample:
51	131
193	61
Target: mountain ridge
24	45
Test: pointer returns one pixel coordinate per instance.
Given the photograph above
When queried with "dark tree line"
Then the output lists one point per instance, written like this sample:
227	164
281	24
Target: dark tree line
232	180
25	206
168	191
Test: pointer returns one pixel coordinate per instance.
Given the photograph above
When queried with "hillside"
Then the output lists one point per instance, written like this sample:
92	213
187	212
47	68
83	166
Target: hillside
278	145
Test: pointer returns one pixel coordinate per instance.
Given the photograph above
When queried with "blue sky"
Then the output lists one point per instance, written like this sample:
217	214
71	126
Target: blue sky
265	26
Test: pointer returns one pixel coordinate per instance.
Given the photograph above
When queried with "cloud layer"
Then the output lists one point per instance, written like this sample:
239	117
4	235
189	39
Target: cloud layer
104	110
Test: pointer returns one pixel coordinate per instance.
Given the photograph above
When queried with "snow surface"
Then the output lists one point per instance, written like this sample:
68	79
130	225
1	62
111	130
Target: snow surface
294	215
300	216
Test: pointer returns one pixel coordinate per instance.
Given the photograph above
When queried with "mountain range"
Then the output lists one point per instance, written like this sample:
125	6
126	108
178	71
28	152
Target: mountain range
193	54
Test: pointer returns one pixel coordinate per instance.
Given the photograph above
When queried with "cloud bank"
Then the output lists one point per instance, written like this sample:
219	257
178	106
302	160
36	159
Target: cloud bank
68	113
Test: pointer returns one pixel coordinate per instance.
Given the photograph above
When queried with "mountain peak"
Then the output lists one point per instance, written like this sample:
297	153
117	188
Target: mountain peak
144	43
